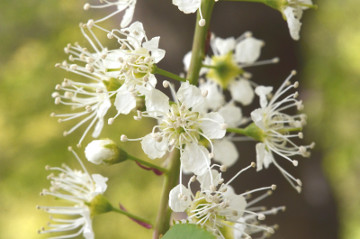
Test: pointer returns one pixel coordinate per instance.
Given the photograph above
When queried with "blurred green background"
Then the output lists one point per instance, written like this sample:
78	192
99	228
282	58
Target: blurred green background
33	34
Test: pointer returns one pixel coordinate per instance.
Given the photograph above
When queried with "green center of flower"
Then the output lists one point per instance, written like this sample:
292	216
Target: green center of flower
224	69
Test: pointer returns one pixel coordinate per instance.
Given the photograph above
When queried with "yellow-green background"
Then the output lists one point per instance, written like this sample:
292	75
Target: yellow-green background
32	36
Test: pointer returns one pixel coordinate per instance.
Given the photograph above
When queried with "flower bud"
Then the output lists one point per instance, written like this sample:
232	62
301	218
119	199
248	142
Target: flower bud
104	151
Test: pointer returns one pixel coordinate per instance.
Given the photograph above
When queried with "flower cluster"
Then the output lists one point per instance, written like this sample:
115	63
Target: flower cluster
202	121
80	190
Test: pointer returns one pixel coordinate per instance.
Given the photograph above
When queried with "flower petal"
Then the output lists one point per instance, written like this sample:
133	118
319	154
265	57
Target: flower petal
241	91
195	158
152	147
176	203
225	152
248	50
212	125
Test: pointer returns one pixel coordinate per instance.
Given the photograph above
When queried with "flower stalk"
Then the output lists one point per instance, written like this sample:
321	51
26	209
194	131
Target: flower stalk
199	41
171	180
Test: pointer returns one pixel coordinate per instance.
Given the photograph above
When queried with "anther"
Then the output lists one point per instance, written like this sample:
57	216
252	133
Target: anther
213	188
57	65
193	178
211	155
73	67
123	138
52	114
275	60
298	181
293	72
78	145
261	216
223	168
57	100
296	84
300	135
110	121
202	22
58	87
295	163
165	84
273	187
90	23
55	94
298	189
296	94
86	6
110	35
248	34
253	164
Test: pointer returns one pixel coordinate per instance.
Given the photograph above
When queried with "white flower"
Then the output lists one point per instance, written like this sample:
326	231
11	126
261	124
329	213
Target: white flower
124	72
218	209
226	66
278	128
135	61
292	11
79	189
120	5
181	125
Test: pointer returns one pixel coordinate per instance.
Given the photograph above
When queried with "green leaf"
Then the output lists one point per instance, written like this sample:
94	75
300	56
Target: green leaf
188	231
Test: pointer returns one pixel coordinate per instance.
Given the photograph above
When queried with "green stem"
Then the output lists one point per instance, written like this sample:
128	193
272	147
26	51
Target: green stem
171	180
199	42
159	71
237	131
146	163
128	214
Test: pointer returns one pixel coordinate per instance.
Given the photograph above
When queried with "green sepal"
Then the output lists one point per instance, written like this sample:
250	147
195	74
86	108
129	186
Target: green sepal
188	231
113	84
99	205
255	132
121	155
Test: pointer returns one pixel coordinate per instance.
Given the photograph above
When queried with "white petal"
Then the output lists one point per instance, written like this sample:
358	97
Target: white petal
157	102
88	232
257	117
293	22
190	95
262	92
128	16
236	202
187	6
224	46
153	47
187	60
214	98
241	91
100	183
263	157
195	158
212	125
175	203
98	127
231	114
125	101
153	148
225	152
248	50
206	179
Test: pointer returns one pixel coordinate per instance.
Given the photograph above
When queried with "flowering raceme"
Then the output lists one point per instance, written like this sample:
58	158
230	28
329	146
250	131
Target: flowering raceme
197	130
